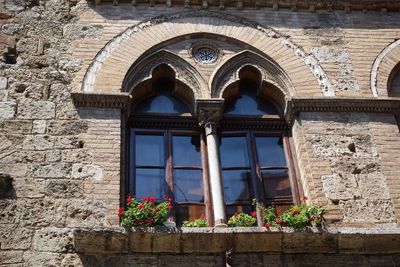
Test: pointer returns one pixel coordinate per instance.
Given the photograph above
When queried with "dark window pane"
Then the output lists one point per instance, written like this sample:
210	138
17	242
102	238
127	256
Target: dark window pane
162	103
232	209
249	104
236	185
276	184
188	186
270	151
150	182
188	213
186	150
149	150
233	151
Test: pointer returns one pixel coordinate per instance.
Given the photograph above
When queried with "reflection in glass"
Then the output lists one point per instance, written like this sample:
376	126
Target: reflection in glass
149	150
162	103
232	209
188	186
233	151
188	213
276	183
150	182
249	104
186	150
270	151
236	185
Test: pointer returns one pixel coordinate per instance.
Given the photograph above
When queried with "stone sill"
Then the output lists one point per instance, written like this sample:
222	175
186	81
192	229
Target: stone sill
101	240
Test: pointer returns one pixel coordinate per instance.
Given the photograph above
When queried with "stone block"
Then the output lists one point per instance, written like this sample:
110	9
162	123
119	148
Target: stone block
78	31
81	213
351	243
38	142
54	170
66	111
140	242
257	242
100	240
382	243
60	93
13	237
17	127
308	242
32	109
29	188
340	186
7	110
3	83
205	242
53	155
76	155
53	240
62	188
90	171
367	211
42	259
166	243
15	5
11	257
66	127
373	186
42	212
39	127
70	260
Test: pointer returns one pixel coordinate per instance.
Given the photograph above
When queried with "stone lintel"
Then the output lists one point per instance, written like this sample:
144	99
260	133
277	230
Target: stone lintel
240	240
102	100
341	104
209	110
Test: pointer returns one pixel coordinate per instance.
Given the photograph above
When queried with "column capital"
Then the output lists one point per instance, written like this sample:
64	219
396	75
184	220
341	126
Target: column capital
209	111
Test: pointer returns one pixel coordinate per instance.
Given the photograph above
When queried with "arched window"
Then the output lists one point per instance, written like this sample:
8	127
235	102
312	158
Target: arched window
394	82
254	149
166	149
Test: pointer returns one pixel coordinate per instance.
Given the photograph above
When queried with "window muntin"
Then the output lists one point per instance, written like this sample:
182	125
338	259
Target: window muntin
175	170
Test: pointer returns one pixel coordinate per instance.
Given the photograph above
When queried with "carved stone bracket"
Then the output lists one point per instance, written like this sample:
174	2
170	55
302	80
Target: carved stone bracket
341	104
102	100
209	110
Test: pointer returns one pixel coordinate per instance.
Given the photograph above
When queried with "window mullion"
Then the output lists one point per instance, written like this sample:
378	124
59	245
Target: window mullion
169	170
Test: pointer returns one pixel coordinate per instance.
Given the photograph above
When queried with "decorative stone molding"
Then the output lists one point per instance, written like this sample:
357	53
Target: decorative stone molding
102	100
312	6
107	51
386	60
341	104
142	69
270	71
209	110
358	241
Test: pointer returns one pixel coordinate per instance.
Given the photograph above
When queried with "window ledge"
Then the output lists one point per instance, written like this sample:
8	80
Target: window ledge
103	240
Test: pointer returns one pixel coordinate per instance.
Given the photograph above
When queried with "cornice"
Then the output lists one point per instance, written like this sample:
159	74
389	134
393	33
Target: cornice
311	5
102	100
341	104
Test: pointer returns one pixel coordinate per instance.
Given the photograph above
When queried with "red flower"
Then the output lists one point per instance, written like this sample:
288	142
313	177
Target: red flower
253	214
202	216
165	197
120	212
128	200
170	199
278	221
140	207
237	213
266	225
148	221
170	207
305	198
295	212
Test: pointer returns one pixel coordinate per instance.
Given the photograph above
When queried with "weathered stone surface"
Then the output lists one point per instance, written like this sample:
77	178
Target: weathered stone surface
257	242
39	127
28	109
63	127
15	5
29	188
38	142
70	64
11	28
53	155
7	110
90	171
140	242
14	237
44	259
17	127
166	243
3	83
321	243
65	142
10	257
340	186
75	31
53	240
361	211
60	93
54	170
41	212
64	188
85	213
76	155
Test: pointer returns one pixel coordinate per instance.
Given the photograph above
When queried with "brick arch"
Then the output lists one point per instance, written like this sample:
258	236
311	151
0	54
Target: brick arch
142	70
107	70
383	67
228	73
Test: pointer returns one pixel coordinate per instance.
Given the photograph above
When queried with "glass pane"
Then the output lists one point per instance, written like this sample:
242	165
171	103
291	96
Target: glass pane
276	184
188	213
188	186
236	185
270	151
150	182
149	150
249	104
186	150
233	151
162	103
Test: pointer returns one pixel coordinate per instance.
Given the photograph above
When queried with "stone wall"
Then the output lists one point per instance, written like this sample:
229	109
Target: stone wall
60	165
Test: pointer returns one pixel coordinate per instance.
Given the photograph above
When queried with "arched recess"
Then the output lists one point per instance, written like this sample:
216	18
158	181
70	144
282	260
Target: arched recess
394	82
107	70
274	82
190	85
384	68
